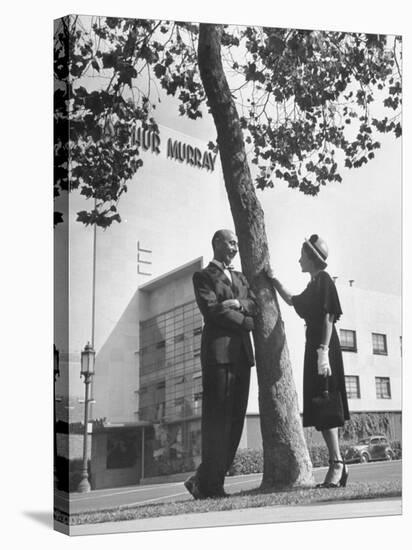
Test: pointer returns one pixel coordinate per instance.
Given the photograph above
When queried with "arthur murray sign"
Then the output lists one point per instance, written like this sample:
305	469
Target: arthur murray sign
175	149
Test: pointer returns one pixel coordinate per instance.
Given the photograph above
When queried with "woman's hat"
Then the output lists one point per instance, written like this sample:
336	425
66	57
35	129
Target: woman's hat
318	246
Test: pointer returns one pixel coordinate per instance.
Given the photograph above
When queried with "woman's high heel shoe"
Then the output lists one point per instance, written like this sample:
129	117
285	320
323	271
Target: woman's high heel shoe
341	482
324	484
344	476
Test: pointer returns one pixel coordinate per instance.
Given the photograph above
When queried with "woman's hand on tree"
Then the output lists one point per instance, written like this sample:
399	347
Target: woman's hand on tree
268	271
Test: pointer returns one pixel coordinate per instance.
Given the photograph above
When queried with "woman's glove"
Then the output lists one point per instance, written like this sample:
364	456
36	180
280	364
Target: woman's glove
231	303
323	362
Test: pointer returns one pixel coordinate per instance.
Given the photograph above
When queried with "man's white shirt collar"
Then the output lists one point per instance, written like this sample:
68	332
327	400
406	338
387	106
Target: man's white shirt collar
221	266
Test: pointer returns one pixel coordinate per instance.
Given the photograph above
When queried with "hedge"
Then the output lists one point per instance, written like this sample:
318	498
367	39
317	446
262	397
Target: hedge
247	461
164	466
250	461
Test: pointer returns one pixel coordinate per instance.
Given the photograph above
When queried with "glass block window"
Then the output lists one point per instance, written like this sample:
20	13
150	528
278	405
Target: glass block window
347	340
379	344
170	364
197	378
179	403
352	387
383	387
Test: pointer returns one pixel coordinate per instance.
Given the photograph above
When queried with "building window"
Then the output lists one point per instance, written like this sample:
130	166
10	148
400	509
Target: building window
161	344
179	338
347	340
352	387
383	388
379	344
197	331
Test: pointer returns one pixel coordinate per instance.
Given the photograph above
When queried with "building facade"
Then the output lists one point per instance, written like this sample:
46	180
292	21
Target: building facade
371	340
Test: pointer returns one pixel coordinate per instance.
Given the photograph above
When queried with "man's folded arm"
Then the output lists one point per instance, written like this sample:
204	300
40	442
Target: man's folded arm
213	310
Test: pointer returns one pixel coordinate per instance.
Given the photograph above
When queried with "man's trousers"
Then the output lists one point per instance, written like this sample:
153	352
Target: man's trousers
224	403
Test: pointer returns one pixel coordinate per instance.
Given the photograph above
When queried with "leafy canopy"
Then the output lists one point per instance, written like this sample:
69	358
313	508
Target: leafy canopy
309	102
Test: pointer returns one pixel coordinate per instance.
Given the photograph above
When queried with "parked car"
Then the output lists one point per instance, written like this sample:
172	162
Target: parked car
375	447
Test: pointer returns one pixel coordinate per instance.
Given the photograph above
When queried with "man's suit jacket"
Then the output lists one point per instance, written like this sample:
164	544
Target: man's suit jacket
224	338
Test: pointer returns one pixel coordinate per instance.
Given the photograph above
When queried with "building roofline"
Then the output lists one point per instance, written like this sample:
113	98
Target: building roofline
344	285
189	267
115	426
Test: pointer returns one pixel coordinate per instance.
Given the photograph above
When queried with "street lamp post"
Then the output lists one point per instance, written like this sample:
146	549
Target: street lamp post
87	370
56	371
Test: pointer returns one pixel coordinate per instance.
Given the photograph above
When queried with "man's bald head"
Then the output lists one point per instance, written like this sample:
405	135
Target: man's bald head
221	235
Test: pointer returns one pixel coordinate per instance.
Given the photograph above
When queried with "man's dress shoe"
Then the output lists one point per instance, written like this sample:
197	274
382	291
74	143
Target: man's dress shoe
193	488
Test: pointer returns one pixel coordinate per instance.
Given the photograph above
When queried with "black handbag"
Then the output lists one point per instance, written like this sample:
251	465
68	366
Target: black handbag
327	408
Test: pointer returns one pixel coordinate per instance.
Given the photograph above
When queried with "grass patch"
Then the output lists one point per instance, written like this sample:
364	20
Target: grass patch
255	498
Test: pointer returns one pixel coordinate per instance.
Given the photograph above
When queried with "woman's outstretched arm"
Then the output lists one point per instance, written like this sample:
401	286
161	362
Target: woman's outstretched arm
277	285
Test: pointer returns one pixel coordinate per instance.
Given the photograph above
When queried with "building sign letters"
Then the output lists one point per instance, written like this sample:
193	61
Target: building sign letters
149	140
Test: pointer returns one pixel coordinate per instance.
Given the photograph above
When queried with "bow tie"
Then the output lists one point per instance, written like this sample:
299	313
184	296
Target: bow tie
230	267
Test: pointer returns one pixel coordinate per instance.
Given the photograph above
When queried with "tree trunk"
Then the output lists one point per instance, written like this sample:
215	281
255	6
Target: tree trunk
286	458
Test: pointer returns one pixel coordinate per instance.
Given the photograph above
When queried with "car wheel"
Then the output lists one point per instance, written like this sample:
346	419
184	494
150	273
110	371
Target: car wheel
364	458
389	455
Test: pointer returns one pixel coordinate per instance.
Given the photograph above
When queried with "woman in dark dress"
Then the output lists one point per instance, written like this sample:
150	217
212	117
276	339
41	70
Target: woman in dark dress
319	306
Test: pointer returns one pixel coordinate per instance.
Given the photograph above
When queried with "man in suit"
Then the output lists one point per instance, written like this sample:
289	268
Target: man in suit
227	305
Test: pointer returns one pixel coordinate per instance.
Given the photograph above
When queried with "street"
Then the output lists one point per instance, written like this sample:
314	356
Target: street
166	492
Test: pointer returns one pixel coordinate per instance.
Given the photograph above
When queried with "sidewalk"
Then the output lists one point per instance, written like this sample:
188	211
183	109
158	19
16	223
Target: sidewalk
271	514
